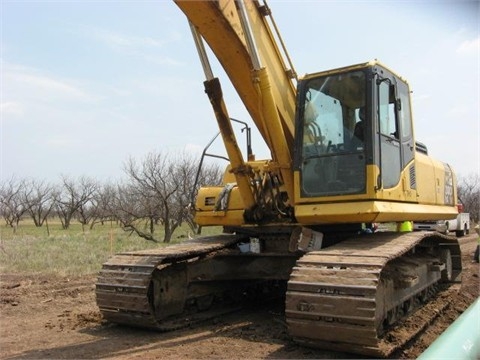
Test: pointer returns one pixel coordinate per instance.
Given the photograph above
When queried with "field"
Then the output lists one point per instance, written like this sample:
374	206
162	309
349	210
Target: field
48	309
74	252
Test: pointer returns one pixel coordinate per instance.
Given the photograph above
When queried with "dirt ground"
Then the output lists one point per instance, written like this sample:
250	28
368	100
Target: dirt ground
57	318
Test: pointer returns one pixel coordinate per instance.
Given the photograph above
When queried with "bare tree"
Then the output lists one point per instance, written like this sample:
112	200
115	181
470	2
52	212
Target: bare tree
161	187
86	212
39	200
132	207
71	196
469	195
179	206
12	201
102	204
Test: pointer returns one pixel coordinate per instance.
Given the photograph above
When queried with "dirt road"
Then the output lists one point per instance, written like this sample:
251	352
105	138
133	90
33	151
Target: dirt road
57	318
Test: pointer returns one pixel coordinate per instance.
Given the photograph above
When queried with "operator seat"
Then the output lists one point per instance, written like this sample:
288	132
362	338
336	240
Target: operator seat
359	131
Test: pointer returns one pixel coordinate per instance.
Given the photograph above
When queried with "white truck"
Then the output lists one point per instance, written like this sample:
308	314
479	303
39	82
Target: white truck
461	225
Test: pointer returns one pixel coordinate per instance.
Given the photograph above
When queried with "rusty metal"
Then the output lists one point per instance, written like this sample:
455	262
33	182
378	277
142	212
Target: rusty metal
125	288
173	287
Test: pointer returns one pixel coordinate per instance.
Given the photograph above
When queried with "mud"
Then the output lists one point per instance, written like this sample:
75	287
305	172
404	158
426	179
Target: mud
45	317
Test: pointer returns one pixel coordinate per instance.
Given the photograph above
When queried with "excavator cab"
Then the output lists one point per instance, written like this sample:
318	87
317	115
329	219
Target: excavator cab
362	115
355	143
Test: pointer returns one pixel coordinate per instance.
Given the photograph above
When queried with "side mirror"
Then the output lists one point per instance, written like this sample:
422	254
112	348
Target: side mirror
379	182
398	104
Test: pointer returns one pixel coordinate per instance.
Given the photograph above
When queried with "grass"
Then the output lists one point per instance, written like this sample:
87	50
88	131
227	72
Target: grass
31	250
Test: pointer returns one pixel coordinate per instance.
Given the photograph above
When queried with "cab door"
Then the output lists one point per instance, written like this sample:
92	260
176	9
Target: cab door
388	134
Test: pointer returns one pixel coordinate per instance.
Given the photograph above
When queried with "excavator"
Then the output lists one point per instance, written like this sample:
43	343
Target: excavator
299	225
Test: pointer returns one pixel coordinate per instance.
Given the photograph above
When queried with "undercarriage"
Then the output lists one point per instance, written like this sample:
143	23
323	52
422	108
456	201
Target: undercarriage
343	297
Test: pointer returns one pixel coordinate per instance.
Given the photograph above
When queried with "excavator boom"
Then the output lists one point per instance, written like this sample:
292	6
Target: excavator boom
219	23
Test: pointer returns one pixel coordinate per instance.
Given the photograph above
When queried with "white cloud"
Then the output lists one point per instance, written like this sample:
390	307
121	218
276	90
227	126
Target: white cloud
193	149
59	142
460	111
11	107
421	97
44	83
118	40
469	46
162	60
23	81
143	46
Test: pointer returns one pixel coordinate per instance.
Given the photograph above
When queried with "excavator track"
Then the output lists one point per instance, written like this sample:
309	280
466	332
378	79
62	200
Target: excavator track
125	290
344	297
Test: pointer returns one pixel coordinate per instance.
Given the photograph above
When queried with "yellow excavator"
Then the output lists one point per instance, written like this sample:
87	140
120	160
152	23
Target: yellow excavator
343	157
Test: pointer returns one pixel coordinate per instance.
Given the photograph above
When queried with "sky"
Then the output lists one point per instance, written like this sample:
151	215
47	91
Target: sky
85	85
